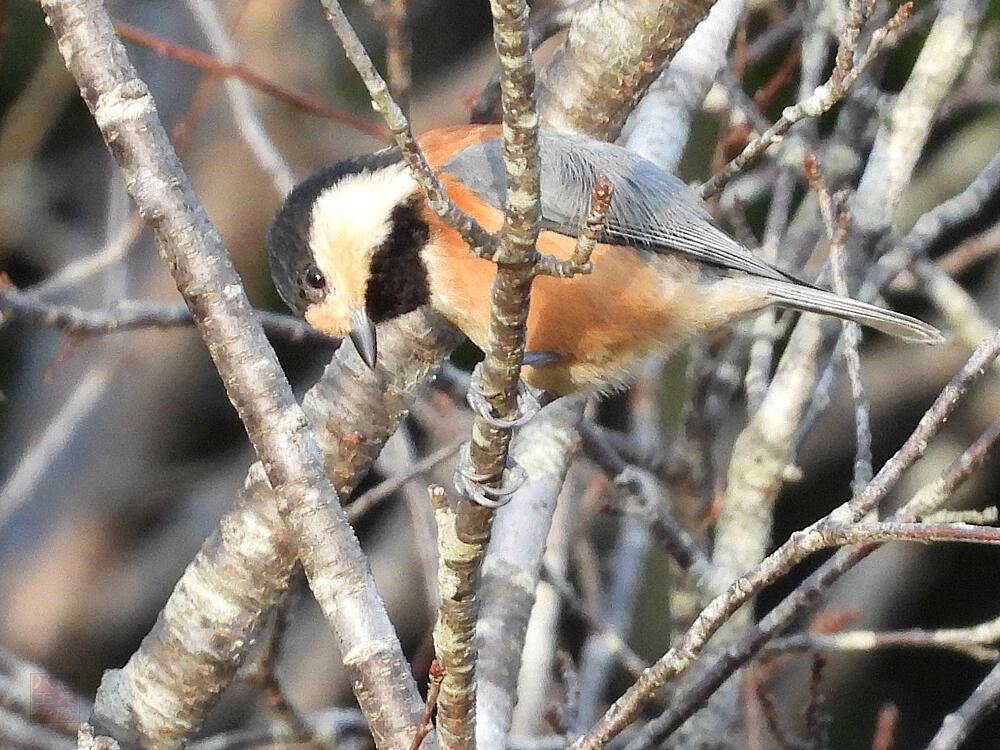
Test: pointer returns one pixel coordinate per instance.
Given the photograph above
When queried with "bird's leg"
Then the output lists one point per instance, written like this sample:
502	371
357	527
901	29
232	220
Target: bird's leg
474	486
478	487
528	403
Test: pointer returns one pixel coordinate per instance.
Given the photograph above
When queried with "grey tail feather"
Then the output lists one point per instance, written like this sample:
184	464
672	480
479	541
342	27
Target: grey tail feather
808	299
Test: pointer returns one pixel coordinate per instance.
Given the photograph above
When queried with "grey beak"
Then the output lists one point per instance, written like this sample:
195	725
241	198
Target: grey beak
363	336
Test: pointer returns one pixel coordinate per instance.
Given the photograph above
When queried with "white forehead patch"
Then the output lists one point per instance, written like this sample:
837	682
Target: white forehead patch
352	218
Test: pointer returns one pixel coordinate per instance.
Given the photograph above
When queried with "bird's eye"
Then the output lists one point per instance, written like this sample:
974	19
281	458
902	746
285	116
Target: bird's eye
312	285
315	278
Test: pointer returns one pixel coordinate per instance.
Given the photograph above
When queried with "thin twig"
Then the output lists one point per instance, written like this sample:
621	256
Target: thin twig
392	16
371	499
111	253
836	228
784	738
31	467
965	316
965	207
129	315
266	678
626	656
434	677
798	546
208	63
688	702
593	226
978	642
884	736
957	725
636	499
475	236
822	99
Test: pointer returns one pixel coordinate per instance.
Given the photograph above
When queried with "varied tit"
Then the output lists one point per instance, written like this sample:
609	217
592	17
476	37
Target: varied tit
356	244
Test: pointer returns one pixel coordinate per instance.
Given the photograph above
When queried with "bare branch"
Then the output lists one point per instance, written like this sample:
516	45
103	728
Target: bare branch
613	52
901	138
168	685
340	578
956	726
978	642
392	16
688	702
371	499
845	73
799	545
129	315
207	62
544	448
836	229
435	676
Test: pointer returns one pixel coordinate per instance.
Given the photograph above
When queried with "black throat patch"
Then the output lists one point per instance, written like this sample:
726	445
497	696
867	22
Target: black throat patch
398	279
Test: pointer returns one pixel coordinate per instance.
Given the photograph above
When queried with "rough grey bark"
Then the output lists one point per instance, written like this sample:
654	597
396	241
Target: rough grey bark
614	51
339	575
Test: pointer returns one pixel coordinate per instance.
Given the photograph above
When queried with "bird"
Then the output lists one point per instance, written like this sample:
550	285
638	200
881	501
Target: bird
356	244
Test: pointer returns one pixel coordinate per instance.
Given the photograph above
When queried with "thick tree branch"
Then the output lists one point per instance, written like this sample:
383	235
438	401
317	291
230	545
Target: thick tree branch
162	694
126	115
614	51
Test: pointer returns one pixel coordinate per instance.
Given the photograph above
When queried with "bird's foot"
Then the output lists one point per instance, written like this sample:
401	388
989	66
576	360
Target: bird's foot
528	403
474	485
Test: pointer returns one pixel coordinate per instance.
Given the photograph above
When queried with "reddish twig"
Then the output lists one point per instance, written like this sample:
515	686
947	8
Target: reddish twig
816	720
210	64
885	727
593	225
769	92
435	675
837	225
844	75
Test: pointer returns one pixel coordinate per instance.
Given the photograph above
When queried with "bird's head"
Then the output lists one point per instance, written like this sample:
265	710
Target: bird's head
344	249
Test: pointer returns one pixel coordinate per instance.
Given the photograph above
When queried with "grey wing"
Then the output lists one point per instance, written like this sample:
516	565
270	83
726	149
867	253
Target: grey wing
650	209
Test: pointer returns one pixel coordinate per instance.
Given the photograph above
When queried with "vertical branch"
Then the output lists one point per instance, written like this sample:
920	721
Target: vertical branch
499	373
510	295
455	629
837	227
544	448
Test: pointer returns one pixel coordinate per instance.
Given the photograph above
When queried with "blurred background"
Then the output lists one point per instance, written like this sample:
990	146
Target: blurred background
120	452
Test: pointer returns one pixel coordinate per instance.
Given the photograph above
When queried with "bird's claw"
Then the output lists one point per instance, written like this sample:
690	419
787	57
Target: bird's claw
528	403
473	485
